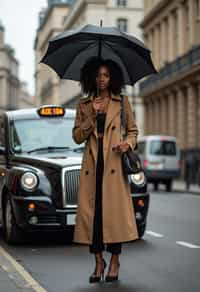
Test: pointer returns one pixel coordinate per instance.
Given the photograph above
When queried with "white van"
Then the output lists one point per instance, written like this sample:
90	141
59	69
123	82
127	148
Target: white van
160	157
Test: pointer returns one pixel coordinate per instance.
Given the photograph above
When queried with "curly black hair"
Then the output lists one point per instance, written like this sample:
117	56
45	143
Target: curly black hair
90	70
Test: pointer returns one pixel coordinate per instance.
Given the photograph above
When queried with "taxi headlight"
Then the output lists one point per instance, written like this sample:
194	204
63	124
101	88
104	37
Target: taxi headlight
29	181
138	178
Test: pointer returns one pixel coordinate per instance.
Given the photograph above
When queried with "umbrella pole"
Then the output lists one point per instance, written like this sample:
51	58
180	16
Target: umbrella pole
99	51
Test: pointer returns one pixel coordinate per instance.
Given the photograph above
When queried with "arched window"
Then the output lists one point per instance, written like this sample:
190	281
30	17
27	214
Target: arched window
122	24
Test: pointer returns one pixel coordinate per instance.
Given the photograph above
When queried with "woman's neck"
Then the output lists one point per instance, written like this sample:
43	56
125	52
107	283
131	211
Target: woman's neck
104	93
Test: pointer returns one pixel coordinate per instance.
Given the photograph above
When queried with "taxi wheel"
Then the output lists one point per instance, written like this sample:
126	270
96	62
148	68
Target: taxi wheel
13	234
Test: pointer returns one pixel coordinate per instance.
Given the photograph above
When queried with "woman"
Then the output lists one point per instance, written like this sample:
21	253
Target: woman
105	213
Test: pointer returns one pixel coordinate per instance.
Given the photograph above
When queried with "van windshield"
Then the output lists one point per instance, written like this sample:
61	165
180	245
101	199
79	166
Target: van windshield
163	148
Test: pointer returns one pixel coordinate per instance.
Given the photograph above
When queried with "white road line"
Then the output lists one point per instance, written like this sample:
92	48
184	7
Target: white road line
155	234
187	244
20	270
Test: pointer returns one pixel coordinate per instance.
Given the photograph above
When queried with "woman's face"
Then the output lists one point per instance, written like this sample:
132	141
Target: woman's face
103	78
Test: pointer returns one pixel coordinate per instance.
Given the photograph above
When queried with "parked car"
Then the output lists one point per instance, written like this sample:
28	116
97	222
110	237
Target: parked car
160	158
39	173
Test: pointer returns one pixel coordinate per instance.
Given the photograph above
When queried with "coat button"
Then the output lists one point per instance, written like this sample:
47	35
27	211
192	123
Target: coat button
112	170
86	172
90	151
113	127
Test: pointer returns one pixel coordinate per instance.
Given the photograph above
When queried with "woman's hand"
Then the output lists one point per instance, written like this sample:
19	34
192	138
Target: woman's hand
122	147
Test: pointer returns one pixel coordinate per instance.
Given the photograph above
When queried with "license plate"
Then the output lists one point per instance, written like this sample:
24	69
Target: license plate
71	219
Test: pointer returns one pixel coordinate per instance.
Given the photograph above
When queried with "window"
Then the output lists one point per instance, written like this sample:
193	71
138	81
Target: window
163	148
198	8
122	24
141	147
122	3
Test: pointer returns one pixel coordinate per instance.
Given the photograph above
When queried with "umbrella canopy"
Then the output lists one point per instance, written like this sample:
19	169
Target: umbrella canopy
68	52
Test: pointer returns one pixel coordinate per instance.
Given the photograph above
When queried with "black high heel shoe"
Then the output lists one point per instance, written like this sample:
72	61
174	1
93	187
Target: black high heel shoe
112	278
94	279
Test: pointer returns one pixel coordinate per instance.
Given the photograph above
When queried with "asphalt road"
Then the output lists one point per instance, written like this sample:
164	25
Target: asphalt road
166	259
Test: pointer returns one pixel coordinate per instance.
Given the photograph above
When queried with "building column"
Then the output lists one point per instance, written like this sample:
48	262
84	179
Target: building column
151	116
156	116
192	19
171	38
191	123
198	112
163	116
171	113
163	56
156	44
181	32
180	119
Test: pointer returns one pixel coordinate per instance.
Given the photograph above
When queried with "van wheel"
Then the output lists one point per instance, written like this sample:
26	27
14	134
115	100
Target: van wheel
169	185
155	186
13	234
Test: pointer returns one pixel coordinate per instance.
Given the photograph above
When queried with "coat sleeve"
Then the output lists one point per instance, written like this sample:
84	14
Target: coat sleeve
131	127
84	124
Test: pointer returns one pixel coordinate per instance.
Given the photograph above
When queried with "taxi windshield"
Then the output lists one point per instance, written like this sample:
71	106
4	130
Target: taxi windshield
50	133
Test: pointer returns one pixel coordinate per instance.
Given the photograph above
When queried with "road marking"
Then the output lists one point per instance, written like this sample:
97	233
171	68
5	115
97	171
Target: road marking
20	270
187	244
155	234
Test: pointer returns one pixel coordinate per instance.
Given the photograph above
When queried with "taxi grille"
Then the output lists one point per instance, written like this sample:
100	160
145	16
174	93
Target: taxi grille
71	177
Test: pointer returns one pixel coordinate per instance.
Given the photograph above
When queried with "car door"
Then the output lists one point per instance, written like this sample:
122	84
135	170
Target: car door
2	158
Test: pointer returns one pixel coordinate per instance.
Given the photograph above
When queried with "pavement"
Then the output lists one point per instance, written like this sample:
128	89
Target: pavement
179	185
13	277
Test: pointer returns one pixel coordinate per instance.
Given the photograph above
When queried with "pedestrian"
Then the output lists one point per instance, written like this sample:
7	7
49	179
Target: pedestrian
105	214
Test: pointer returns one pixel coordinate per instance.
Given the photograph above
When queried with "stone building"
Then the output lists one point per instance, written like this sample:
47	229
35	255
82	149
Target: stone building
171	98
64	15
13	94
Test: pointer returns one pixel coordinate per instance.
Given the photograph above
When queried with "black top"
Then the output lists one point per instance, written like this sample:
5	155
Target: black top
101	117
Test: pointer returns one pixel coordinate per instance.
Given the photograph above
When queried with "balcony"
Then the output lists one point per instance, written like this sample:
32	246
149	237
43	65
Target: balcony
180	65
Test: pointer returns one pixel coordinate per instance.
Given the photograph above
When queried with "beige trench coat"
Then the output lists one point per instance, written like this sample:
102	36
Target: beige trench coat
119	223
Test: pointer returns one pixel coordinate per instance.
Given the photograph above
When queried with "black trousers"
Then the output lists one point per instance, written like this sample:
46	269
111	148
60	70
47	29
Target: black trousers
97	243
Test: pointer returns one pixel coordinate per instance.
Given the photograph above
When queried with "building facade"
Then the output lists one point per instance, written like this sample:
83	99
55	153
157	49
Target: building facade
13	94
125	14
171	98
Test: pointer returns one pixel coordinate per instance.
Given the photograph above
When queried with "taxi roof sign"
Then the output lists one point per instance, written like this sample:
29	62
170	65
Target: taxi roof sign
51	111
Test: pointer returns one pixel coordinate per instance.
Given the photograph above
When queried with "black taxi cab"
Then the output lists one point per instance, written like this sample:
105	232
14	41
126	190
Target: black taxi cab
40	167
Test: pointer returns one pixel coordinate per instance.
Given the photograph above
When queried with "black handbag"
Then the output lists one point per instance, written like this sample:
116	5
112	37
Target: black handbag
131	162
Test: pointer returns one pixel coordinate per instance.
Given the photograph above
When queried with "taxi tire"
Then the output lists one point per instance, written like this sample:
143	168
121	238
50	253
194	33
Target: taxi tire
15	235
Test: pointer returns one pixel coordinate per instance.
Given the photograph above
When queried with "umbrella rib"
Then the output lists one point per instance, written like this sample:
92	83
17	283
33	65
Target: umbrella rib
121	60
72	59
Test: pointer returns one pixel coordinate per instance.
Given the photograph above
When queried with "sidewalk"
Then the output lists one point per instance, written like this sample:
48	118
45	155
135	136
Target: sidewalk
179	185
13	277
7	284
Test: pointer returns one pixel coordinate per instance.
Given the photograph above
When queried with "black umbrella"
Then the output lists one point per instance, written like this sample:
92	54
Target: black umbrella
68	52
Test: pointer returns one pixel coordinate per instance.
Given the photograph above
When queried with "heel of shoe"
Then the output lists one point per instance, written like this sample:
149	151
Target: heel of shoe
96	279
113	278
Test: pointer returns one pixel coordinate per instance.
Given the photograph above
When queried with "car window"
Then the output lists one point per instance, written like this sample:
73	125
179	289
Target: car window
158	147
141	147
29	134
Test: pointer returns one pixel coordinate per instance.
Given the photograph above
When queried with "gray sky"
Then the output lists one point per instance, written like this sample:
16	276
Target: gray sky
20	19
